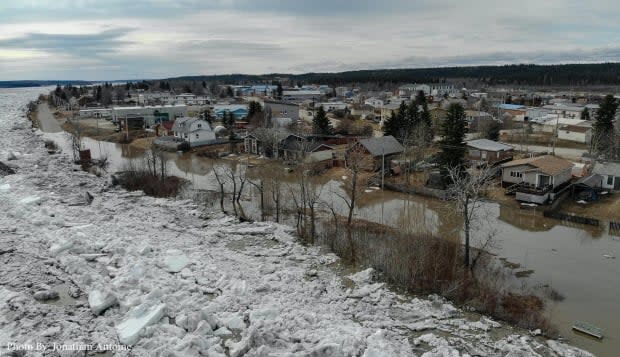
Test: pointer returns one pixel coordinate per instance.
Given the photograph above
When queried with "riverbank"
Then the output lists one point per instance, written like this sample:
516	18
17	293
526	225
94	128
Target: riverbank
219	286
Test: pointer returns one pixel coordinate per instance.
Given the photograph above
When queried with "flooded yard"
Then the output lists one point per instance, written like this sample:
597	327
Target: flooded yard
577	261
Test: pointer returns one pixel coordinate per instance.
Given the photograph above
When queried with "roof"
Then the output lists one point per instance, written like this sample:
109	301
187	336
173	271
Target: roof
591	181
606	168
183	125
511	106
384	145
547	164
489	145
576	128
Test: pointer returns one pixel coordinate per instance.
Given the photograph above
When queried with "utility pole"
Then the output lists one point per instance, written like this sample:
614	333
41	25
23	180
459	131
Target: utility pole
382	164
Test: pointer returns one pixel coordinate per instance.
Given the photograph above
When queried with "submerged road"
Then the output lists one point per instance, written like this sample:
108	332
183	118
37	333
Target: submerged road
48	123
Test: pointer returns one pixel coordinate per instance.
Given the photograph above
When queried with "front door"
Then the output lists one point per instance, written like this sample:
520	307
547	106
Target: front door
543	180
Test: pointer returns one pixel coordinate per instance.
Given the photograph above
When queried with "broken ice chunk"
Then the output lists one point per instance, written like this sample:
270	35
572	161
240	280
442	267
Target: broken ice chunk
175	261
99	301
137	320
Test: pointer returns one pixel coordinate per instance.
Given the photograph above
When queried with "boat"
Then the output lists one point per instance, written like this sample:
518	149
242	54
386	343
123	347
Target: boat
588	329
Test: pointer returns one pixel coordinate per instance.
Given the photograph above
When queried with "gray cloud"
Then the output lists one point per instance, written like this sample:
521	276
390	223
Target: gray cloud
88	44
170	38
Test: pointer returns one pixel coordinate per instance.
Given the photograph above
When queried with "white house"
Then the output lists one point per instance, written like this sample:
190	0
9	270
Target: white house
374	102
610	172
195	131
536	179
576	133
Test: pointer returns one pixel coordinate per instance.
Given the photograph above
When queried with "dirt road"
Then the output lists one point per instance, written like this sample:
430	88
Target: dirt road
48	123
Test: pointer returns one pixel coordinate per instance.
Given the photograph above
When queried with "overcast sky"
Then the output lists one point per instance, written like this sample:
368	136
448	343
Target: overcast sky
132	39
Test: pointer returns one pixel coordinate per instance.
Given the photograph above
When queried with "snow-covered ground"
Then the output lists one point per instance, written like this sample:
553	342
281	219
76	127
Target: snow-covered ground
169	279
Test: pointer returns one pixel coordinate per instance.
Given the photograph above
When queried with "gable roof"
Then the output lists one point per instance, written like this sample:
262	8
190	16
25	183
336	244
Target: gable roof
547	164
183	125
488	145
606	168
384	145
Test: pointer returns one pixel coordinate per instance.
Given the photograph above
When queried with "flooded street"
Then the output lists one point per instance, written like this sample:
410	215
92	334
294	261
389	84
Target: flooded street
569	258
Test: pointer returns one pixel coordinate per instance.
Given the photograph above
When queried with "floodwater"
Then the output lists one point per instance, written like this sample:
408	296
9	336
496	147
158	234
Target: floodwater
569	258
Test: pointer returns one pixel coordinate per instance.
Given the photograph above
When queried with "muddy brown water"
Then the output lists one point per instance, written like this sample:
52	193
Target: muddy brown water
568	257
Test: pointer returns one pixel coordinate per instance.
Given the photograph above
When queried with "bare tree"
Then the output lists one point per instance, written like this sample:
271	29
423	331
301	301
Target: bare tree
467	191
220	177
357	161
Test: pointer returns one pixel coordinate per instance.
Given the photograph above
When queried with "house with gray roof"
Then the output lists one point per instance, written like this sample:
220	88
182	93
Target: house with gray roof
384	147
194	131
485	151
610	173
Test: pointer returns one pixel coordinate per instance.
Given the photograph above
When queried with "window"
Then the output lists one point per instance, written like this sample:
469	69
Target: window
610	180
197	136
516	174
199	125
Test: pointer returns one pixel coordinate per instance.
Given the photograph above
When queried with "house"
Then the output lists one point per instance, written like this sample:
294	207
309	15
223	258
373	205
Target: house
194	131
380	148
536	179
263	141
610	173
238	111
518	112
485	151
576	133
298	147
374	102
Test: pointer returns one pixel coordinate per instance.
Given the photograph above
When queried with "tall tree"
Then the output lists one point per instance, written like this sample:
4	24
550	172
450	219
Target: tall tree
279	90
603	138
321	123
391	126
585	114
452	143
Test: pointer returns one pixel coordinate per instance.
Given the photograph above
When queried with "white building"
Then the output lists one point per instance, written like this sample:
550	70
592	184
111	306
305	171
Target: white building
152	114
571	111
95	113
576	133
301	95
434	89
195	131
552	124
374	102
191	99
331	106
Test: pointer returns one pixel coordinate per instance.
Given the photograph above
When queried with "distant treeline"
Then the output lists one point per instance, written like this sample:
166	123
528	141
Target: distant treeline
522	74
35	83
